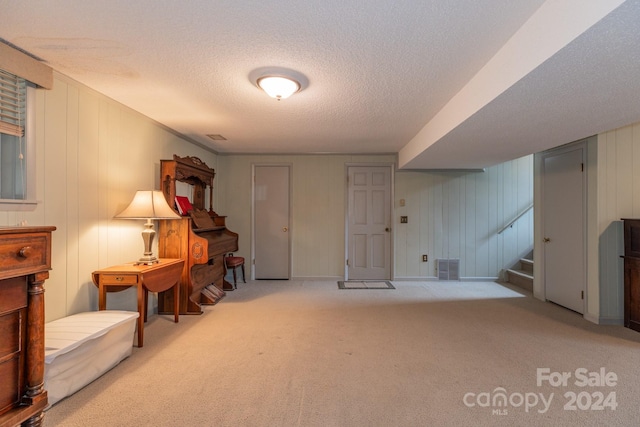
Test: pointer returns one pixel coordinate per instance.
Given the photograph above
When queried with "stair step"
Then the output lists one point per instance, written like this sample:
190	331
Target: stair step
526	265
520	278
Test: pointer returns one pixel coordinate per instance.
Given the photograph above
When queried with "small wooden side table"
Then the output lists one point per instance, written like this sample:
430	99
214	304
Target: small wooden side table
157	277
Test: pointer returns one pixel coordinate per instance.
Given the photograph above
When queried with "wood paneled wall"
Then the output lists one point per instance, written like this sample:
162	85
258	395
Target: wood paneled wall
618	196
459	214
451	214
92	155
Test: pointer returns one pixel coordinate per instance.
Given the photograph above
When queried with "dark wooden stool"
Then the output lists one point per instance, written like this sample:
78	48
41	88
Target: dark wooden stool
234	262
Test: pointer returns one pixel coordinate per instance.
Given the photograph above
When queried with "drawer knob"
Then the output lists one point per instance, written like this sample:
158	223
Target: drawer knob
25	252
119	279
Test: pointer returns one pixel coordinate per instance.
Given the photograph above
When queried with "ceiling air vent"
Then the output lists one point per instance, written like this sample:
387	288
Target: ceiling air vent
217	137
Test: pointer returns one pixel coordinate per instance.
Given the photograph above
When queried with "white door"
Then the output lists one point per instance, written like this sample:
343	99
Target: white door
369	223
563	228
271	222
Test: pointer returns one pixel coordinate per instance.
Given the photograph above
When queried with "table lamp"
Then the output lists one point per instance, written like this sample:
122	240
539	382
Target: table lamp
148	205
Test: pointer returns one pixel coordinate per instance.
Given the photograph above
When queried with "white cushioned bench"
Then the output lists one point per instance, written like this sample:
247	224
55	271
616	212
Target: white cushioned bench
82	347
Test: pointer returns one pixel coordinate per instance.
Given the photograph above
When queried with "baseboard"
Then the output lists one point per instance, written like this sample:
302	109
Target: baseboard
435	279
611	321
591	318
401	279
603	320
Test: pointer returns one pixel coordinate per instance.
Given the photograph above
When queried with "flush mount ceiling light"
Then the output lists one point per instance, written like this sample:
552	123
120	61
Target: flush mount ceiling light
278	82
278	87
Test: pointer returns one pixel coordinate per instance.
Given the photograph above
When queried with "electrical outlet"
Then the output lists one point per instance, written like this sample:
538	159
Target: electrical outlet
425	258
404	220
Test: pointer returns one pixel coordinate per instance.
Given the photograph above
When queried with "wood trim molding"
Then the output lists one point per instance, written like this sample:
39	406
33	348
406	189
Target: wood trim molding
21	64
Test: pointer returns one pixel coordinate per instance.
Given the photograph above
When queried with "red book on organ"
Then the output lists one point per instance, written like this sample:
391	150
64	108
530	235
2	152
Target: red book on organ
183	204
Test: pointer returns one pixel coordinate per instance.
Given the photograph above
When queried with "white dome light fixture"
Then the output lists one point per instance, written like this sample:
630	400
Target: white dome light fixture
278	87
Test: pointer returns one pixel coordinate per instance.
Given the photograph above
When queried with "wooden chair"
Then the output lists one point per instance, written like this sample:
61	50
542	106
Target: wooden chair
234	262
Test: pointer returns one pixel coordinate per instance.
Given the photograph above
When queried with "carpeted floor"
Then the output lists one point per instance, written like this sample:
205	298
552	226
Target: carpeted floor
427	354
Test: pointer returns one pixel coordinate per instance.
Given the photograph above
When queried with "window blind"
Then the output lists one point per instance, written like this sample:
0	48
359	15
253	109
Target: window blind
13	91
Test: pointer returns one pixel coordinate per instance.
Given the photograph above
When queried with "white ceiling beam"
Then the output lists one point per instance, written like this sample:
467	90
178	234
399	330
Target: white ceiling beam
553	26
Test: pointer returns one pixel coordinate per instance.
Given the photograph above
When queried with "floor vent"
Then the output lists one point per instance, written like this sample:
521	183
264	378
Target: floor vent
448	269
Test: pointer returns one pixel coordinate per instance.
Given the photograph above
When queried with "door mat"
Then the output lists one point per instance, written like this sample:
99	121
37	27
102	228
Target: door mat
361	284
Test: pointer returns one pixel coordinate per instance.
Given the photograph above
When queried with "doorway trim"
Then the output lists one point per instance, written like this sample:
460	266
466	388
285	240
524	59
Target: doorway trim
391	166
253	215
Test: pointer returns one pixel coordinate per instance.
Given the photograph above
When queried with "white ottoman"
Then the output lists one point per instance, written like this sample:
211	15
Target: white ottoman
82	347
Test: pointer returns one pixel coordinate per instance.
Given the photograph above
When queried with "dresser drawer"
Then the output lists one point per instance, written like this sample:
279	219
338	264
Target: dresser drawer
24	253
13	294
10	329
12	326
11	384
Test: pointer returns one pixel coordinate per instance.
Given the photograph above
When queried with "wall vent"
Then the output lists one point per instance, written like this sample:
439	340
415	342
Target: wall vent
448	269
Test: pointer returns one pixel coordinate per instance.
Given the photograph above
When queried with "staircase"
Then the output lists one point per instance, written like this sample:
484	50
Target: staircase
521	274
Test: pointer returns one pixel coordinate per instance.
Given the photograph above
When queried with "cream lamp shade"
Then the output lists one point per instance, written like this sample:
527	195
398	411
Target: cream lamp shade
148	205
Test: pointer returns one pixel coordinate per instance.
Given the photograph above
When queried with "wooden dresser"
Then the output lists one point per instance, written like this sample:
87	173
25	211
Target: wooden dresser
632	274
25	257
203	249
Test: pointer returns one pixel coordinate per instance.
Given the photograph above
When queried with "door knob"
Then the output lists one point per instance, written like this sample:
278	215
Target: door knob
387	229
285	229
546	240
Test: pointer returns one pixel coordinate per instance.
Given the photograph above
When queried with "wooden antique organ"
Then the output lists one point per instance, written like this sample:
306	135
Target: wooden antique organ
201	239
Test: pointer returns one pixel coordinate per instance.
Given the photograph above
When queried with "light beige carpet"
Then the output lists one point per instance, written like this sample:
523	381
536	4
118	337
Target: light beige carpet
310	354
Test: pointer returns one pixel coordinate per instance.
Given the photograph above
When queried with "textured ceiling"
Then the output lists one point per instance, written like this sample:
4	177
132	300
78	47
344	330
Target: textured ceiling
379	73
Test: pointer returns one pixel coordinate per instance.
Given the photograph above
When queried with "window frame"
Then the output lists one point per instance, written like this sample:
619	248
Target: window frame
29	203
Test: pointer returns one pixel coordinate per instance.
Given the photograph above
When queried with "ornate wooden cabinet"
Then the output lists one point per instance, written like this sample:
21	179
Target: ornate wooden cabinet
632	274
203	249
25	257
